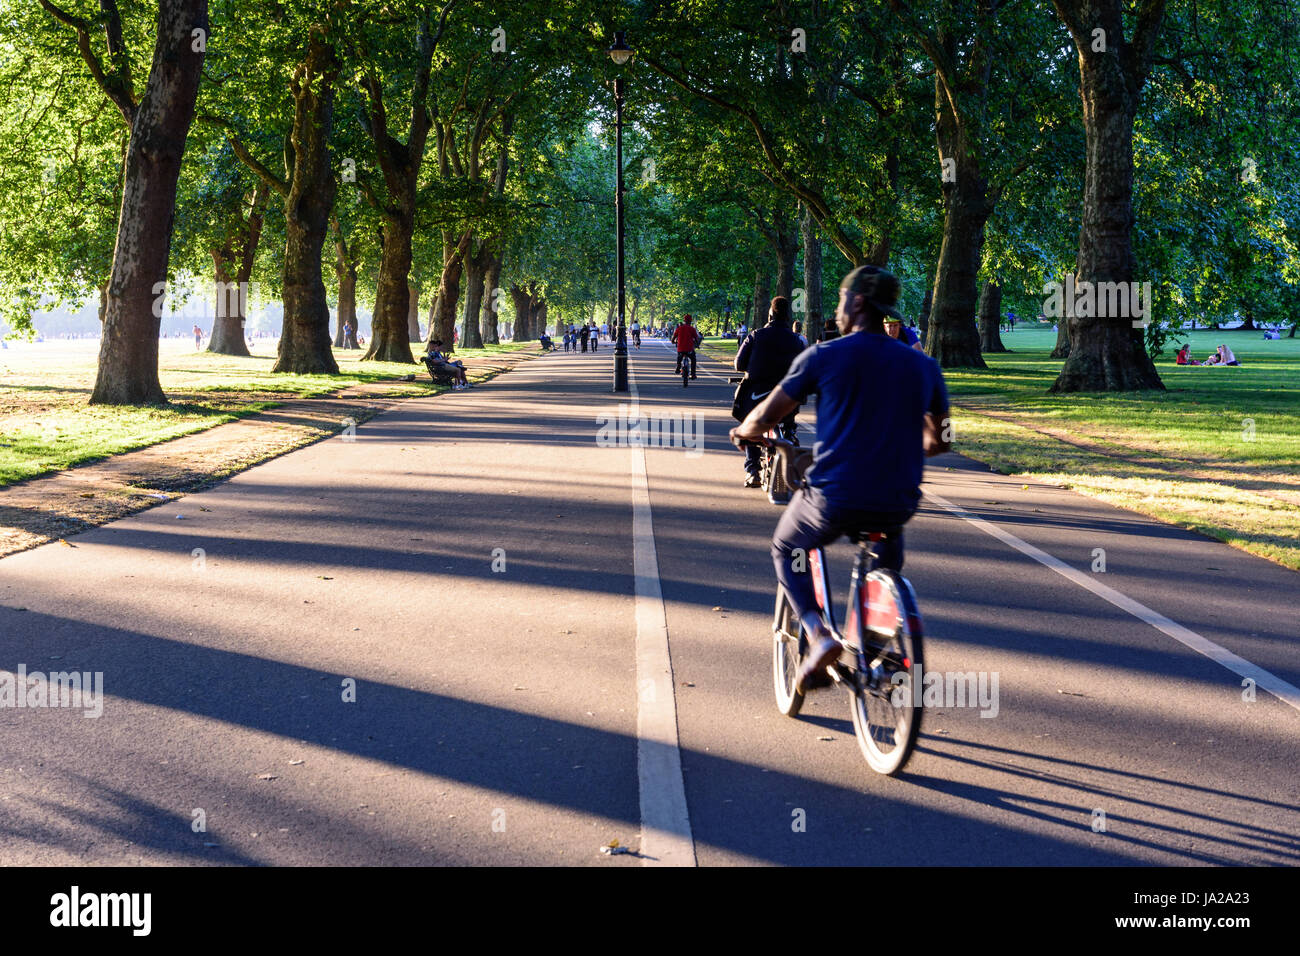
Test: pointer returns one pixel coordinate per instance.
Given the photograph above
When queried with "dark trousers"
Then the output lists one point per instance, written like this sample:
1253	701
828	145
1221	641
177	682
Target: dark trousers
809	521
594	340
685	355
584	343
754	453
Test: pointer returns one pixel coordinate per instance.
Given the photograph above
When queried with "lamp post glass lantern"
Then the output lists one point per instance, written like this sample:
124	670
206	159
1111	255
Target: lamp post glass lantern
620	53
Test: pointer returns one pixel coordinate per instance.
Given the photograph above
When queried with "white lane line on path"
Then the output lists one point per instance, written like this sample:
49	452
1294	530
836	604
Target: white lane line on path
1266	680
665	823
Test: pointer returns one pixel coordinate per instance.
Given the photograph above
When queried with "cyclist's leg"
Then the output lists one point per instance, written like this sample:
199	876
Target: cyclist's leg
692	363
804	525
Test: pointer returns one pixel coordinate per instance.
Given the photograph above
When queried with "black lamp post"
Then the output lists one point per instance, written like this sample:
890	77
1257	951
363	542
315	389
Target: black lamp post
620	53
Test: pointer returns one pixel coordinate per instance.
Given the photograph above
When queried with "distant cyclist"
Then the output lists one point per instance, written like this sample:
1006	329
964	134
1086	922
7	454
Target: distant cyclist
686	337
765	356
636	333
881	408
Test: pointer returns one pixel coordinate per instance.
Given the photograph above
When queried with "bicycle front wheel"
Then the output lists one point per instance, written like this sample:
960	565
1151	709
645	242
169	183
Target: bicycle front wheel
788	646
886	704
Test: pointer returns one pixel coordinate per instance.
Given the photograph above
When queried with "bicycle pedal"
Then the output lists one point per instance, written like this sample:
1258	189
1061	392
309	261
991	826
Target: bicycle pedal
834	673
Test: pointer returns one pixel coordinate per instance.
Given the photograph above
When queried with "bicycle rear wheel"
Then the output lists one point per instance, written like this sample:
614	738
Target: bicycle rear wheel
886	704
788	646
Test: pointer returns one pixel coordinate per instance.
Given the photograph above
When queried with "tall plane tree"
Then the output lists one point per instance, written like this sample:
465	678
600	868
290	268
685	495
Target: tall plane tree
308	187
159	121
1106	352
399	166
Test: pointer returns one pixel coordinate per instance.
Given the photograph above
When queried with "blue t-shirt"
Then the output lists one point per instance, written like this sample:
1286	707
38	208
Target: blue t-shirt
873	393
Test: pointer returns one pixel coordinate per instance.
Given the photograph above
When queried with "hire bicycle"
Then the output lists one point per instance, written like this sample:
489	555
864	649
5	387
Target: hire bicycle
881	641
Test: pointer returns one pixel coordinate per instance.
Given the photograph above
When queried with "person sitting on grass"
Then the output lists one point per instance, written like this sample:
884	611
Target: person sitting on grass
1184	356
440	366
1226	357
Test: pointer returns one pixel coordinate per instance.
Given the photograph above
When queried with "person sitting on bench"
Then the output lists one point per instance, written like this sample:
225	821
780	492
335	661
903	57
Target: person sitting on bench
441	369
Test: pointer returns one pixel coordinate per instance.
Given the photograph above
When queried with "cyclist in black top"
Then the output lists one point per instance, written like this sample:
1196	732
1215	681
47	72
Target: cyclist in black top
765	356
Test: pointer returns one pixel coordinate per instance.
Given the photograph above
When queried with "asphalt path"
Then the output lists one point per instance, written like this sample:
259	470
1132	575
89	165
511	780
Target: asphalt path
490	574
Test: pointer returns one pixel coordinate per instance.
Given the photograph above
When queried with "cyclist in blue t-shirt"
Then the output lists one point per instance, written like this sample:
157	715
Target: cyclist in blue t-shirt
882	407
895	329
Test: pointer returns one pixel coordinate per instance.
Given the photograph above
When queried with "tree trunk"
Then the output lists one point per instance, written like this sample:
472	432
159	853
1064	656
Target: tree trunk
1106	352
443	322
491	306
390	336
924	320
812	273
475	273
227	336
128	351
990	310
523	310
1062	349
787	250
413	313
345	269
230	315
305	337
953	338
347	334
762	295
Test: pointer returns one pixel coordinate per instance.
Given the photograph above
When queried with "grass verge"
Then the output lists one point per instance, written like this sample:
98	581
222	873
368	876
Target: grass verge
46	425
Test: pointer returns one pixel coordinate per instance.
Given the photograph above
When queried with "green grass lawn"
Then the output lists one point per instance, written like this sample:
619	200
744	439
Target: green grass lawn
1218	451
46	425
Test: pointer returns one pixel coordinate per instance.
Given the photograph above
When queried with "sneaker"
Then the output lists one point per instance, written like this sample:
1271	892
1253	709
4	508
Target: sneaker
823	650
753	481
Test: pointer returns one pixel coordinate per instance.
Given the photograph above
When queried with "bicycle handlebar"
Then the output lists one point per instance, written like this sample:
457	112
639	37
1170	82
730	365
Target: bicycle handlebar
795	459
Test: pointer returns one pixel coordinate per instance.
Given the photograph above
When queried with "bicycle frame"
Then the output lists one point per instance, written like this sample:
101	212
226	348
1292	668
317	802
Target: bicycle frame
869	610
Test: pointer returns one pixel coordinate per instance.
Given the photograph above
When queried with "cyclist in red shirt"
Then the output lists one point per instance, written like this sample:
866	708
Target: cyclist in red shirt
687	337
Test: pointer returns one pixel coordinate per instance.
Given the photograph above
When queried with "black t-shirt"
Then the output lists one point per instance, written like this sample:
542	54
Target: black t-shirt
766	354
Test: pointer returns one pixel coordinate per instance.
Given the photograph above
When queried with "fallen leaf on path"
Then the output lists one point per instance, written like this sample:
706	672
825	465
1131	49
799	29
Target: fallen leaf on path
687	683
266	776
719	609
825	738
64	542
296	763
86	494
